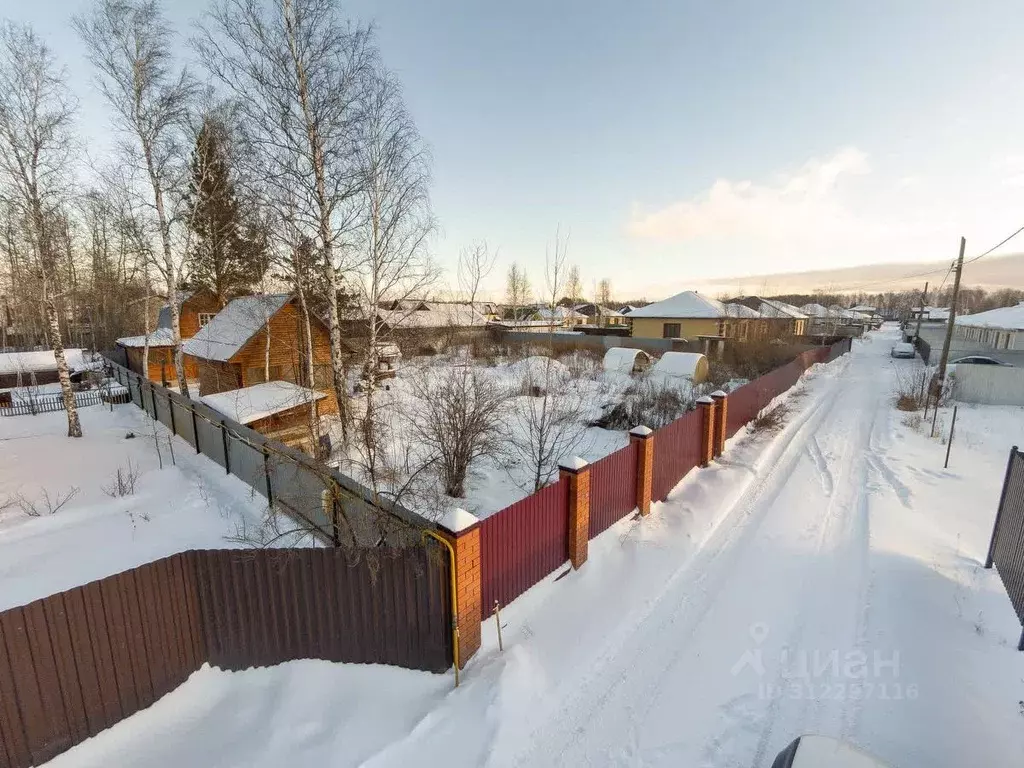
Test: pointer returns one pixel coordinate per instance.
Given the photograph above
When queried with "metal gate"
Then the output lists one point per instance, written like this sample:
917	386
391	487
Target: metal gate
1006	549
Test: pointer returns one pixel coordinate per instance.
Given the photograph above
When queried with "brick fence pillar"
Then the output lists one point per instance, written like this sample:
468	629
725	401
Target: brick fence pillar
721	419
577	473
707	429
462	530
644	438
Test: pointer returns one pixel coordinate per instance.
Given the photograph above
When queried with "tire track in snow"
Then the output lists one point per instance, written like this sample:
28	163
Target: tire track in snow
675	606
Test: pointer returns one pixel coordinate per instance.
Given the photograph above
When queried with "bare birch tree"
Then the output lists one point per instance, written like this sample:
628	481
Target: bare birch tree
296	70
476	262
36	112
518	292
396	222
129	43
549	428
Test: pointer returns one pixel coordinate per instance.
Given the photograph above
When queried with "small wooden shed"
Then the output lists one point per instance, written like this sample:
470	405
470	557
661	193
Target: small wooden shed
278	409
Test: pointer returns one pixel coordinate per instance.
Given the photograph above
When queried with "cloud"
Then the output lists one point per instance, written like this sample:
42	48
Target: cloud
805	206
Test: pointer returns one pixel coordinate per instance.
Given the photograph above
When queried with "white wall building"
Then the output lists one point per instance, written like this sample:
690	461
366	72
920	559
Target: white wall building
1001	328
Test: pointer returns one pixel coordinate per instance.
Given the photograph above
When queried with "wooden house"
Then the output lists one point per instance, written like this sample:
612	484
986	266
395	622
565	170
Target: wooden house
197	308
232	351
279	410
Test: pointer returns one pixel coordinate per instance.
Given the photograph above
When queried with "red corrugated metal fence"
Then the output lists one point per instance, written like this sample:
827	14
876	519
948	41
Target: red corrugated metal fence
523	543
612	488
75	663
676	452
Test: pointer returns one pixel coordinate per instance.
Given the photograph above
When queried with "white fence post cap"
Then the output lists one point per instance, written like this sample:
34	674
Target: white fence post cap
705	400
574	464
641	431
457	520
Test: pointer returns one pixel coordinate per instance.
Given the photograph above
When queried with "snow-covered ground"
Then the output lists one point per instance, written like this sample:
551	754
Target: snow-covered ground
827	578
192	504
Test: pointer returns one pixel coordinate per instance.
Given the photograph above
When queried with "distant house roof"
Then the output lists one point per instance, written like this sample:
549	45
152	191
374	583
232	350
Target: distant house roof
863	308
1004	318
591	310
163	320
628	309
740	311
259	401
688	304
772	308
422	314
559	313
232	327
818	310
36	362
161	337
932	313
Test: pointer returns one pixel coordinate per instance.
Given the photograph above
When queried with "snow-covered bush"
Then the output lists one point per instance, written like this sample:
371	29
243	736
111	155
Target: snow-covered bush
649	402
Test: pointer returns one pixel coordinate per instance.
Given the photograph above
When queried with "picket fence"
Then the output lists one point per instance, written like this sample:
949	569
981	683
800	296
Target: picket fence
528	540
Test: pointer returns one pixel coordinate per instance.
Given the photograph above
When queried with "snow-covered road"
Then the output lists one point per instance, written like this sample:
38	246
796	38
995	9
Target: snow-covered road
775	627
824	579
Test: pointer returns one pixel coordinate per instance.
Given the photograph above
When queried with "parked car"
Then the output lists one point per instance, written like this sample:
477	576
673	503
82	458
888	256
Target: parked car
978	360
823	752
904	349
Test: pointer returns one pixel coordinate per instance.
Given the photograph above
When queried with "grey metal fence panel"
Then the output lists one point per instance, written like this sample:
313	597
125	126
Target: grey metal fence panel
246	463
211	443
135	387
183	418
163	408
300	488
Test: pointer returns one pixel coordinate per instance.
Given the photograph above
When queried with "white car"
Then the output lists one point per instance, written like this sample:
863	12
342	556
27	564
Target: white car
904	349
812	751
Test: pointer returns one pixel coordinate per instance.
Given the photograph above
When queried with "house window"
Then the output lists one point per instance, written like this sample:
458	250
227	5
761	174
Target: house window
671	331
204	318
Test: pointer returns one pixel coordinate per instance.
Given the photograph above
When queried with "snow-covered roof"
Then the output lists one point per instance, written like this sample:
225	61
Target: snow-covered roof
628	309
44	360
1005	318
161	337
622	359
863	308
780	309
232	327
932	313
688	304
250	404
436	315
741	311
559	313
590	310
678	364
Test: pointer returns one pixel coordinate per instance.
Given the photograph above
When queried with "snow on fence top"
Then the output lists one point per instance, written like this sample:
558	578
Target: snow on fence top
259	401
34	362
232	327
681	365
625	360
161	337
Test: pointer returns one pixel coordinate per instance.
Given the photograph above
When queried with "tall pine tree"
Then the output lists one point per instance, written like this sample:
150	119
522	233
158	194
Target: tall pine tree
228	254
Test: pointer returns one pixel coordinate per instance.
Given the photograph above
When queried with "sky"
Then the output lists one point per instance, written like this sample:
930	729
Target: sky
682	141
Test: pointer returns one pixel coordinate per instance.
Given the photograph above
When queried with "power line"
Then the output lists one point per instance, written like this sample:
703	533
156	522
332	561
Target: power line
1001	243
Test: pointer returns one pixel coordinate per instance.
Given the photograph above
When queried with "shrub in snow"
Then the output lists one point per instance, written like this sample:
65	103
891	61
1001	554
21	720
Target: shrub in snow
650	402
538	375
457	418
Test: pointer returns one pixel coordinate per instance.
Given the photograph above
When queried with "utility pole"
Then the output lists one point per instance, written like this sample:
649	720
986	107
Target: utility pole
952	318
924	300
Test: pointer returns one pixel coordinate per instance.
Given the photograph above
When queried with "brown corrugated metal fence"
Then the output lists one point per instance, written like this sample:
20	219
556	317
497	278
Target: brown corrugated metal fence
75	663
